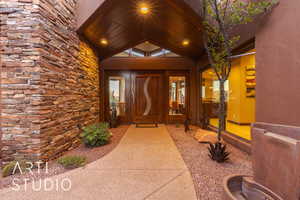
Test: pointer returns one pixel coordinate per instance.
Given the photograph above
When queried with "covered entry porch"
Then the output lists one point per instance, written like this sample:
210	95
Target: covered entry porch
158	81
148	90
140	87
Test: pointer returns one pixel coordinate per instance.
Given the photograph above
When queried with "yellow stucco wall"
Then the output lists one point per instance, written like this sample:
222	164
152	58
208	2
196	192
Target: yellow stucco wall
241	109
208	77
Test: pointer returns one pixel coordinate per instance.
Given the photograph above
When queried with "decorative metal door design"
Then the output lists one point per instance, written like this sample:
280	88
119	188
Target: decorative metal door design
147	98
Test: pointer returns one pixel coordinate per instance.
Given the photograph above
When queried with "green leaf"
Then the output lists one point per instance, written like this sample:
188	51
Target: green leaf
96	135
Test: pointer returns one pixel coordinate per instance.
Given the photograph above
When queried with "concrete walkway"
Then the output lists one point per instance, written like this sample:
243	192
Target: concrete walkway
145	165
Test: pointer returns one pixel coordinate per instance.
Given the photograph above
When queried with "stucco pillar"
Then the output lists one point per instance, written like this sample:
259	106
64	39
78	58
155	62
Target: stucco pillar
278	66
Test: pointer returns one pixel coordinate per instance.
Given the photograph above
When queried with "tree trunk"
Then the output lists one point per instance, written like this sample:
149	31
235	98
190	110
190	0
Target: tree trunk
222	110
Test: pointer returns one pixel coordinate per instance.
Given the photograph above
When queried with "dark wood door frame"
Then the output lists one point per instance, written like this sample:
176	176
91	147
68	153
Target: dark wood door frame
129	78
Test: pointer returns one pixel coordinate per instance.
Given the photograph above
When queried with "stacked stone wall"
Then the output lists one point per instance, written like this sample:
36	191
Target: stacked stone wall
20	46
49	79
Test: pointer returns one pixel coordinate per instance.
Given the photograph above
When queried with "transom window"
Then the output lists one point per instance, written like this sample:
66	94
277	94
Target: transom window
146	49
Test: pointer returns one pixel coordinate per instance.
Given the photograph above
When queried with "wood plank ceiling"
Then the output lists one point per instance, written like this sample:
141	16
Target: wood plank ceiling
167	25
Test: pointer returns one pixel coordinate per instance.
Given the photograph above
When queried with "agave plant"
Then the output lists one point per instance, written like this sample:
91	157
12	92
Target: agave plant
218	153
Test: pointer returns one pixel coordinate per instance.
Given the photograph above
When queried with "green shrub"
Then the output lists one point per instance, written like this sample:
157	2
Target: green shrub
8	169
96	135
72	162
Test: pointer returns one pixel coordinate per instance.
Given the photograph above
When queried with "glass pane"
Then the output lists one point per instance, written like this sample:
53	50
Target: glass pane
117	95
240	97
146	49
177	98
211	94
211	87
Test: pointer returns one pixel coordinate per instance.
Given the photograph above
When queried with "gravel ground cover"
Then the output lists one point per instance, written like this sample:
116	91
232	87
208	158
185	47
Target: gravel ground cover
208	175
92	154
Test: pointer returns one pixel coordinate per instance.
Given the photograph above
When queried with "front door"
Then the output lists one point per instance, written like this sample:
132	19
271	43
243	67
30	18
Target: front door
147	98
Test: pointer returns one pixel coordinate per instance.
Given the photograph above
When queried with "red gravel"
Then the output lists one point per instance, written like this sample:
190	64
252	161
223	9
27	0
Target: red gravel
208	175
92	154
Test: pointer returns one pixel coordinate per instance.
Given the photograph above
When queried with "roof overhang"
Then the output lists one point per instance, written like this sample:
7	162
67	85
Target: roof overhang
170	22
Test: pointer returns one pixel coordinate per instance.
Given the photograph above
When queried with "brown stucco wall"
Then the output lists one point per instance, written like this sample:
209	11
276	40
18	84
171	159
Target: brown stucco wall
50	79
278	66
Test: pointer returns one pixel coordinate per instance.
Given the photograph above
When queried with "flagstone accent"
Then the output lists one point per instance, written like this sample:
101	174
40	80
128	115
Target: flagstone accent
50	79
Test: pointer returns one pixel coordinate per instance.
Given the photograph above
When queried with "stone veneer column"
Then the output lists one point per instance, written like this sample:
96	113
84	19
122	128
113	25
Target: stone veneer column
50	79
19	48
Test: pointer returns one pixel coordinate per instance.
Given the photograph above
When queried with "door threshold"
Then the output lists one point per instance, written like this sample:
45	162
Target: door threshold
146	125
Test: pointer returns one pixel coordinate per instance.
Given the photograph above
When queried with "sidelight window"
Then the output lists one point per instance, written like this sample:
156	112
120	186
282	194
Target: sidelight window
117	95
177	95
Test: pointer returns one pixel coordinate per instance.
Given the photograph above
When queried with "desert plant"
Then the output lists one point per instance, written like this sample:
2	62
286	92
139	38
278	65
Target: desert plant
96	135
72	162
217	152
9	168
219	18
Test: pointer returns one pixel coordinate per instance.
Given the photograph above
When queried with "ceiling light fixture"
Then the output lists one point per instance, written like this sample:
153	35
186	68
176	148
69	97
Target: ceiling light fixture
144	9
185	42
104	42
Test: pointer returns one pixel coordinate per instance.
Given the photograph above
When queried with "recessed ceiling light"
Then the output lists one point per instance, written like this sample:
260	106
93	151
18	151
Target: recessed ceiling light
144	9
185	42
104	42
